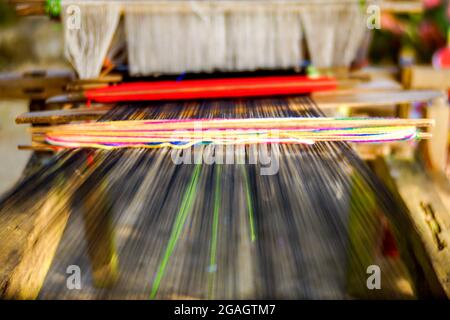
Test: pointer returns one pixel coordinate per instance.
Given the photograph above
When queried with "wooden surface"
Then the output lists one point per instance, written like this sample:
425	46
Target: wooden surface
30	247
429	234
426	77
33	237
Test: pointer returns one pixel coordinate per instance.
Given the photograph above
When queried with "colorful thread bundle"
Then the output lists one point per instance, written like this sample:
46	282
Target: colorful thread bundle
184	133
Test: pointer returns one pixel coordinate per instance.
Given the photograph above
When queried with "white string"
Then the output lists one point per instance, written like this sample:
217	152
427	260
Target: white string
87	41
205	38
333	33
207	41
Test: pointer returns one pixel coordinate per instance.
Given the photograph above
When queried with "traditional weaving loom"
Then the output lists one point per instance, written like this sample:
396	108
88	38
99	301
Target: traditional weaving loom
190	156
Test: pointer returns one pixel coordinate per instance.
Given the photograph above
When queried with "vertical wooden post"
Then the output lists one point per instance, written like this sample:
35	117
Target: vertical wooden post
436	149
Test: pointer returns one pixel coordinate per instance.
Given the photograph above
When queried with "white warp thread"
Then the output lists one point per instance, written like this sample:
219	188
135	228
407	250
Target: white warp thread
202	39
261	39
207	41
173	43
333	33
86	45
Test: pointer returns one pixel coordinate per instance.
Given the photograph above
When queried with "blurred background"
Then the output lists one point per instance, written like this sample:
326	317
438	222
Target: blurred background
25	44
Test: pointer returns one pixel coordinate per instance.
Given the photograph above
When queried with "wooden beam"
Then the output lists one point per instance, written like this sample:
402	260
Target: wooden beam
31	242
373	98
427	225
411	6
28	251
62	116
436	148
425	77
30	236
36	84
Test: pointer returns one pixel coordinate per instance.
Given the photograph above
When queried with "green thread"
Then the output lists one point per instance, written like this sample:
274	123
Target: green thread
250	207
180	220
215	229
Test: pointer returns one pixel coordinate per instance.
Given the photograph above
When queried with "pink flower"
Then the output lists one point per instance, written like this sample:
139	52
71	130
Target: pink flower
430	4
430	34
390	23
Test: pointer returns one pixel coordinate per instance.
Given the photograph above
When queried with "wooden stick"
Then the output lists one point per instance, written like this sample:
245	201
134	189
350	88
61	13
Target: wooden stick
62	116
250	6
36	147
37	7
374	98
255	123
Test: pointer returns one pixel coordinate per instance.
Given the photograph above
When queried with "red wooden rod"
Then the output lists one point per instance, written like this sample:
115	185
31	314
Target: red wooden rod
211	88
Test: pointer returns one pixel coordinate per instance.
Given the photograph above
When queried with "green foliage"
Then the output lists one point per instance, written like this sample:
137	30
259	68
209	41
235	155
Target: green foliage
418	34
53	8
